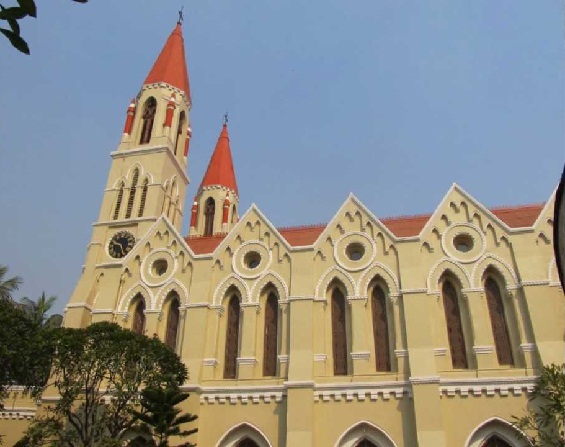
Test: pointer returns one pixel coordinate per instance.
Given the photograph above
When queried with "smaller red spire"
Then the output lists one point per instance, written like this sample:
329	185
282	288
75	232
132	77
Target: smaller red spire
220	169
170	66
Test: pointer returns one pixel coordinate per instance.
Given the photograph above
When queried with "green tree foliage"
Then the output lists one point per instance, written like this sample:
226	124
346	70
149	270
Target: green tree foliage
8	286
159	413
98	372
38	310
12	15
25	350
545	417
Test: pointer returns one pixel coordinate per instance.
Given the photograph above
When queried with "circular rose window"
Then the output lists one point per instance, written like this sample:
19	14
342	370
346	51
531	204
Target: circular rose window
463	243
159	267
355	251
251	260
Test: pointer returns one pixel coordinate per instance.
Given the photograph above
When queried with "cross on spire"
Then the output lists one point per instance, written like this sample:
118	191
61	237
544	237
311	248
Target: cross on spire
181	16
226	119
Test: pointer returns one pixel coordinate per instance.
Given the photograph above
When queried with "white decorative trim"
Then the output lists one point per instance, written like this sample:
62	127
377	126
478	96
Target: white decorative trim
541	282
292	384
361	355
246	360
102	312
454	254
528	347
381	270
335	272
244	430
17	413
410	291
360	391
173	285
146	266
78	306
357	298
454	267
483	349
283	358
399	353
489	386
320	357
365	430
210	362
499	427
301	298
241	395
239	255
500	265
196	305
231	280
140	288
440	352
356	237
266	278
424	380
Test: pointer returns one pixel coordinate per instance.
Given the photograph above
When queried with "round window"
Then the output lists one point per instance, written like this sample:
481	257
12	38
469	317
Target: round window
252	260
463	243
159	267
355	251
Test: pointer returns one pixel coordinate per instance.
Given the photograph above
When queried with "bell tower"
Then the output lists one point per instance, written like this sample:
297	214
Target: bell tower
147	178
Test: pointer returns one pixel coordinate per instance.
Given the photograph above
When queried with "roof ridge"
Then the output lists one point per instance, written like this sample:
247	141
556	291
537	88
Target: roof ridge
509	207
302	227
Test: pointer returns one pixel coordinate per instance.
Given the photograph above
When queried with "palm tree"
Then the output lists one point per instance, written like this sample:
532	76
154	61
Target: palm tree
9	285
160	415
37	311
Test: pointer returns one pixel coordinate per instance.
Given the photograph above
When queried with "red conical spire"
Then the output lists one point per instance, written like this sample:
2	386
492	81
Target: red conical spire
220	169
170	66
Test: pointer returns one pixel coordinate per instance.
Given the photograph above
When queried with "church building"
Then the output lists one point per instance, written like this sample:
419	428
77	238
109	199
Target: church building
424	330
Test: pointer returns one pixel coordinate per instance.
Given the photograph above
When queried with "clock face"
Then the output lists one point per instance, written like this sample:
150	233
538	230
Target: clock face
121	244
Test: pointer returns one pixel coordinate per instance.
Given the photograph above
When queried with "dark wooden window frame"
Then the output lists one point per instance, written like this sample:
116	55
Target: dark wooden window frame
454	325
138	323
270	337
148	119
381	330
182	118
209	213
339	332
498	321
173	320
232	338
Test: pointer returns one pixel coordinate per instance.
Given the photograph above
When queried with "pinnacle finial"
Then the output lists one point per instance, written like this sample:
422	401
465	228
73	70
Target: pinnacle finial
181	16
226	119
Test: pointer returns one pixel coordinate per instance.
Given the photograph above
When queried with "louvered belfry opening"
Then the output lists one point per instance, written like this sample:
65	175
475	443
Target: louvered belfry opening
180	126
380	329
339	333
148	119
455	334
232	339
270	337
498	323
138	325
143	198
119	201
172	322
132	191
209	213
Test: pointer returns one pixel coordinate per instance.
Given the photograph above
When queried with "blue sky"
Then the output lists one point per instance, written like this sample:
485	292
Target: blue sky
391	100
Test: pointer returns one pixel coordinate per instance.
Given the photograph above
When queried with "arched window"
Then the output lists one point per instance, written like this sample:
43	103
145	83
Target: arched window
172	322
232	339
270	338
498	323
233	215
247	443
454	326
495	441
209	212
179	131
138	324
148	117
380	329
119	201
143	198
132	189
339	339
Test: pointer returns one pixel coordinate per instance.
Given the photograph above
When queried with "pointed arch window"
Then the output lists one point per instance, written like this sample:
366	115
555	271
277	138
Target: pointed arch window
172	322
495	441
209	213
365	443
138	324
339	340
119	201
143	198
454	326
270	339
498	322
233	215
132	189
232	339
182	118
380	329
148	117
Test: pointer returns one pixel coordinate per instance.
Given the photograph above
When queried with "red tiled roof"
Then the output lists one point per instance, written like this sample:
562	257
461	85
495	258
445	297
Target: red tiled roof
220	169
403	226
204	244
518	216
170	66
